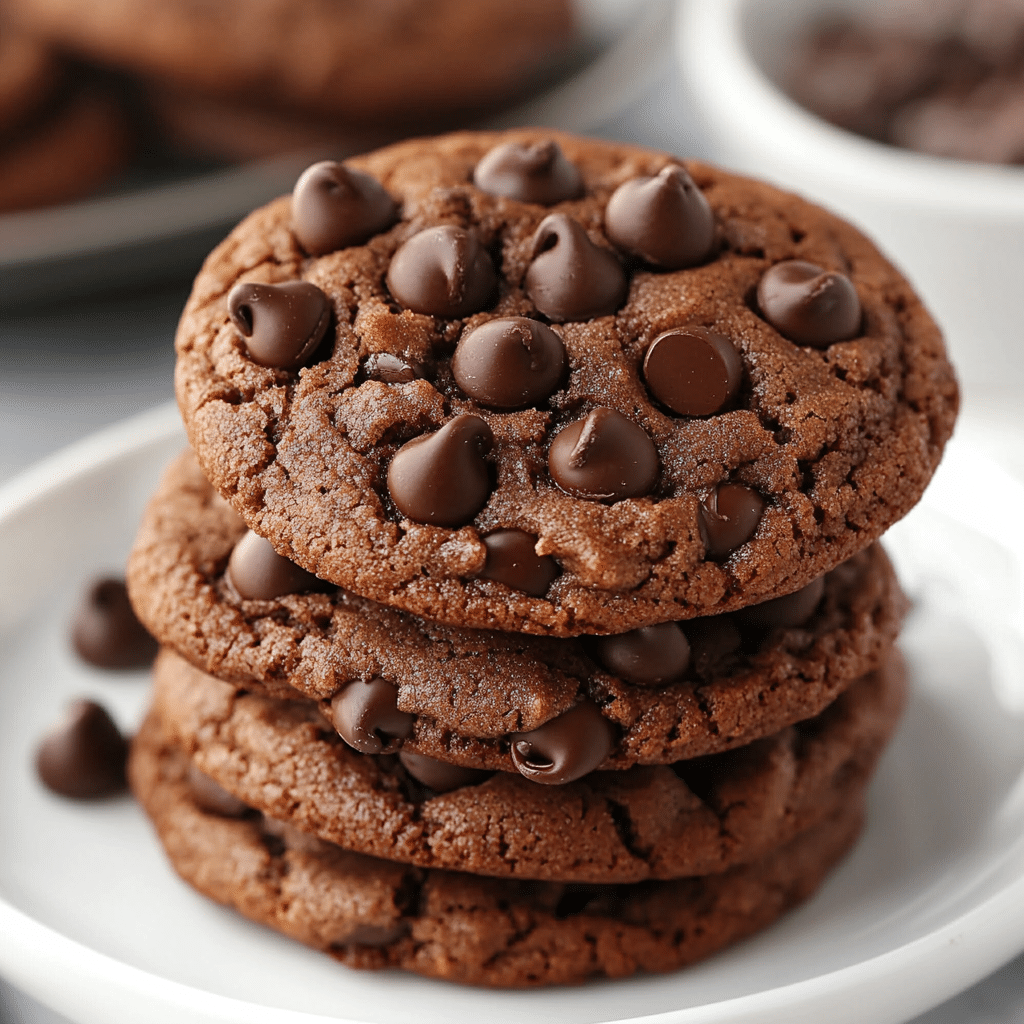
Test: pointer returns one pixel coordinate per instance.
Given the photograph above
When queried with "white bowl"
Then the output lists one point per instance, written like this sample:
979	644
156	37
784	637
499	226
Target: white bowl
956	228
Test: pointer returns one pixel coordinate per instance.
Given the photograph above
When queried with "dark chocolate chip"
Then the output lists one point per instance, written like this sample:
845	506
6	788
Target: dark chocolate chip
282	324
391	369
105	631
439	776
367	718
211	796
513	560
784	612
334	207
443	478
665	220
809	305
259	573
693	371
443	271
566	748
535	172
713	642
604	457
649	656
509	363
84	756
570	278
728	518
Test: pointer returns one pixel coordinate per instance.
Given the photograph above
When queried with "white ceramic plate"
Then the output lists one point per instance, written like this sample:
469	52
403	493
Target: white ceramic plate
94	924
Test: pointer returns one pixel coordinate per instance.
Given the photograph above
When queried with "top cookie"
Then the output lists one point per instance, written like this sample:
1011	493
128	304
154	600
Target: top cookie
553	387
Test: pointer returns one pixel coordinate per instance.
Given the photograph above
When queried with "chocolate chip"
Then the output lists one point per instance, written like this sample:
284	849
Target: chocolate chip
665	220
785	612
84	756
693	371
391	369
211	796
809	305
570	278
513	560
282	324
106	632
439	776
334	207
604	457
728	518
259	573
443	478
443	271
566	748
509	363
535	172
367	718
649	656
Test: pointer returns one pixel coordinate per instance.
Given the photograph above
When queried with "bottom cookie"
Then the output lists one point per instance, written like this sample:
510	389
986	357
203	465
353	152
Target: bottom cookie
371	913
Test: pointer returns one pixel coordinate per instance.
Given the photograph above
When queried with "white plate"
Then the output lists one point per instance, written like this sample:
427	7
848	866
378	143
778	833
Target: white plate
94	924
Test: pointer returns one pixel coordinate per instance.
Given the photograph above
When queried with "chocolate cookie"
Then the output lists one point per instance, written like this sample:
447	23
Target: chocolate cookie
693	818
371	913
670	692
30	74
607	286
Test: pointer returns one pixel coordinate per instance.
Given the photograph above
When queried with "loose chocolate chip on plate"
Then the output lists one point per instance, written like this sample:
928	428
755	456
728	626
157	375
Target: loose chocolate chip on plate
513	560
439	776
787	611
282	324
604	457
693	371
259	573
665	220
649	656
391	369
443	271
443	478
106	632
809	305
334	206
566	748
529	172
509	363
367	718
569	277
211	796
728	518
84	756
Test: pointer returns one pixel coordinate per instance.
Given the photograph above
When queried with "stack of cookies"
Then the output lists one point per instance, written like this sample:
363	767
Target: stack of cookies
521	611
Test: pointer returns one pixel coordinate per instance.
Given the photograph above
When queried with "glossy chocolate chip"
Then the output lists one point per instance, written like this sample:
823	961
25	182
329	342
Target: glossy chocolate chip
665	220
105	631
535	172
334	206
367	718
84	756
391	369
443	478
282	324
259	573
439	776
443	271
649	656
785	612
513	560
566	748
604	457
693	371
509	363
728	518
809	305
212	797
569	277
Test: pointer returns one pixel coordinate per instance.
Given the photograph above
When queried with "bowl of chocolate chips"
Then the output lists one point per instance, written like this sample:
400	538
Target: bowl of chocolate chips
906	116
